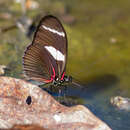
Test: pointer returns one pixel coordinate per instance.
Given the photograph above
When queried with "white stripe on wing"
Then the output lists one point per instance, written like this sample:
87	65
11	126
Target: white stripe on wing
54	31
57	55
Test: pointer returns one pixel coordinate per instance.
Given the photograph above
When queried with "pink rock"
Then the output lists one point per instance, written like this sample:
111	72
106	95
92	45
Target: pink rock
27	127
26	104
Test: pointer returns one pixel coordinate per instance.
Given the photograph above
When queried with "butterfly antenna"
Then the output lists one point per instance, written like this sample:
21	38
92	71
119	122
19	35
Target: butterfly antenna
77	83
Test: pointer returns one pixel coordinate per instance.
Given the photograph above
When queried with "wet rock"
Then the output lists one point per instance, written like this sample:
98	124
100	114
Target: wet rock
113	40
68	19
5	15
23	23
121	102
31	4
2	69
22	103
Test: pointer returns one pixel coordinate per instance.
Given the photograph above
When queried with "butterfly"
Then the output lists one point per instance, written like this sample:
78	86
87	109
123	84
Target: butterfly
45	58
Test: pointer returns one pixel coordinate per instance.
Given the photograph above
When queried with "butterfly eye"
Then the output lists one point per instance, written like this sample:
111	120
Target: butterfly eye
29	100
56	78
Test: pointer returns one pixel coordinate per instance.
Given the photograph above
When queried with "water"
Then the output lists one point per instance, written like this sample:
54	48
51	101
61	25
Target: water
96	97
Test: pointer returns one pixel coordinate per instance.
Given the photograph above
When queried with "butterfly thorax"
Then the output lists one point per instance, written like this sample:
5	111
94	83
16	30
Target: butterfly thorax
58	81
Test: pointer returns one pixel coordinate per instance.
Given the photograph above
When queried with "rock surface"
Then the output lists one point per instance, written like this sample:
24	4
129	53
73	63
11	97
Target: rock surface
26	127
22	103
2	69
121	103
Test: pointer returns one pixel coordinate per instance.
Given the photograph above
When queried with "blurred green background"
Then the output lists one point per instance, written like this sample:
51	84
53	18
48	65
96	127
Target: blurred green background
98	45
98	36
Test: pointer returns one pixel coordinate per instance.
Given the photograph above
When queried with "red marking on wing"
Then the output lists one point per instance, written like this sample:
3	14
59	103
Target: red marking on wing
52	77
54	73
63	76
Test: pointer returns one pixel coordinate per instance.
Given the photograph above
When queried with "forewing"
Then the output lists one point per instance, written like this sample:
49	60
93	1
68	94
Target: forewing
48	51
51	34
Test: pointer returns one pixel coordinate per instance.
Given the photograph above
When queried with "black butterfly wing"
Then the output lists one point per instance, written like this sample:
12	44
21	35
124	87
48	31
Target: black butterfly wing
46	57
